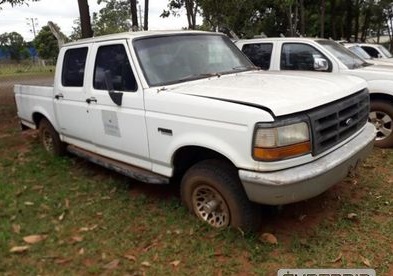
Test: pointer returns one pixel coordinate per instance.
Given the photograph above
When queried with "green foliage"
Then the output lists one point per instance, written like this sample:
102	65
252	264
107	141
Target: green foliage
46	44
14	44
192	8
16	2
113	18
352	19
76	31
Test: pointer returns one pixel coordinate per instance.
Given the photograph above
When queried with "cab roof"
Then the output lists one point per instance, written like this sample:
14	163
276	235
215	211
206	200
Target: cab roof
132	35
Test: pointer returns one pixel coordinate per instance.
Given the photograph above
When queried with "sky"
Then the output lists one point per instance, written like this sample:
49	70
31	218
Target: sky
64	12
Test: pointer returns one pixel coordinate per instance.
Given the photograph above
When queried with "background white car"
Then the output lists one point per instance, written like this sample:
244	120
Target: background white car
376	50
359	51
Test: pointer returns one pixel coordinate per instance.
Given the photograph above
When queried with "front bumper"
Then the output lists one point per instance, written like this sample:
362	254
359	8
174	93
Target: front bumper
311	179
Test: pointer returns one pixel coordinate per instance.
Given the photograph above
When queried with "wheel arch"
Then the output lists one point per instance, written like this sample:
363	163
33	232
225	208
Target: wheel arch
187	156
381	96
37	117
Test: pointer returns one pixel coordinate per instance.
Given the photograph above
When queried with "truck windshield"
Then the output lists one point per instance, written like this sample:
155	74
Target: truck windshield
359	51
178	58
384	51
349	59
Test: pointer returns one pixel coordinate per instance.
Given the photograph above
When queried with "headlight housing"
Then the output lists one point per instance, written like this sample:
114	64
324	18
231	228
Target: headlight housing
272	143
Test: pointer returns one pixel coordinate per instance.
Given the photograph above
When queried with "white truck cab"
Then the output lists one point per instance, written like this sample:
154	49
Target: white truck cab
359	51
163	106
376	50
327	56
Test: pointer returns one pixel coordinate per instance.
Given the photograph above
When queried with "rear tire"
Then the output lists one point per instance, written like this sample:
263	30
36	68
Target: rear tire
381	116
212	191
50	138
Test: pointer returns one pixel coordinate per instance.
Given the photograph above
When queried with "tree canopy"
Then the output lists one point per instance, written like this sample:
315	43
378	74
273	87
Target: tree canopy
14	44
46	44
113	18
337	19
16	2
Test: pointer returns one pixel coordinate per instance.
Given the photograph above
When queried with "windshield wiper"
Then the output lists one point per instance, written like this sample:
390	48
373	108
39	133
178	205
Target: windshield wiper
245	67
197	76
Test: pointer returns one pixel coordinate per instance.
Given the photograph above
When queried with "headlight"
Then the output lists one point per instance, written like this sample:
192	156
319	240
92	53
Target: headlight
277	143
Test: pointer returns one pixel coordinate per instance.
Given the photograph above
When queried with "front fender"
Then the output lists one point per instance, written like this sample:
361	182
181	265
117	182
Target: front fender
381	87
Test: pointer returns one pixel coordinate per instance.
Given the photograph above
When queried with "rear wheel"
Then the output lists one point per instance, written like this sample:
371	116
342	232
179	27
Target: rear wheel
381	116
212	191
50	138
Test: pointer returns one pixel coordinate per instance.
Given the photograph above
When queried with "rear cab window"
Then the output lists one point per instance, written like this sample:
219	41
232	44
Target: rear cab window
73	70
259	53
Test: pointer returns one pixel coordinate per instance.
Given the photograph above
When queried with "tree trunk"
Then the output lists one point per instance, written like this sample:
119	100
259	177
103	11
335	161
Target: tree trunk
290	20
134	15
302	21
366	25
85	19
191	10
323	10
348	21
333	19
146	18
357	15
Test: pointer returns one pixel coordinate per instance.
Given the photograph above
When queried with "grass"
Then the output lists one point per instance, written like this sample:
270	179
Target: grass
98	222
25	69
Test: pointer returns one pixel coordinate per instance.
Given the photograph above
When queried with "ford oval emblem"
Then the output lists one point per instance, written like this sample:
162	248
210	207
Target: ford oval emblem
348	121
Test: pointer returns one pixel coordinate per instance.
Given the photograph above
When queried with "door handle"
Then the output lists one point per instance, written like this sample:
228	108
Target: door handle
58	96
91	99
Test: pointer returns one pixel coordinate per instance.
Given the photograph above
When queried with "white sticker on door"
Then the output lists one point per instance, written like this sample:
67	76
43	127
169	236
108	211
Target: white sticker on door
111	124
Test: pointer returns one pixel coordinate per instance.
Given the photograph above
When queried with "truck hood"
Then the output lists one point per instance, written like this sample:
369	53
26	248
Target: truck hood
373	72
281	93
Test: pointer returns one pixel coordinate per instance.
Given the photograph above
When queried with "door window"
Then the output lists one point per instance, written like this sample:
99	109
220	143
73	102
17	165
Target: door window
112	65
74	67
259	53
299	56
371	51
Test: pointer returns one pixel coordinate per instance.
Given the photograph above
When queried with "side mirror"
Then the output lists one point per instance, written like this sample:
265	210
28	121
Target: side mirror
116	97
320	63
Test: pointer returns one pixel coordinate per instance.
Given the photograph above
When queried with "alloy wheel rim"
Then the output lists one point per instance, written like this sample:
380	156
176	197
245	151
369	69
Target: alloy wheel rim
47	140
383	124
210	206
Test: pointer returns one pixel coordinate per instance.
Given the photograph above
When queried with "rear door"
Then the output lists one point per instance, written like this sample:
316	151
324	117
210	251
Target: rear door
119	131
259	53
71	109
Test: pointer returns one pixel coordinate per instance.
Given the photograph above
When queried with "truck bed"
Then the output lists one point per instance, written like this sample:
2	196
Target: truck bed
31	99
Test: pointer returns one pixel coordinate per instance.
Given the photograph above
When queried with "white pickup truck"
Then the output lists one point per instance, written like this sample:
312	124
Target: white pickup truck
321	55
161	106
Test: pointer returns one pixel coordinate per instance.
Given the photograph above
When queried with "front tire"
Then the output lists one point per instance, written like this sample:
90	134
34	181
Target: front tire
381	116
50	138
212	191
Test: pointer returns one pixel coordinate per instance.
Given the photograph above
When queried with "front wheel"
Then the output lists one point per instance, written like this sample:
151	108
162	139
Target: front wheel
381	116
212	191
50	138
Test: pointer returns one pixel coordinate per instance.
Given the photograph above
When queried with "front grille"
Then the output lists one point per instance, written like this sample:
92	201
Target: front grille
334	122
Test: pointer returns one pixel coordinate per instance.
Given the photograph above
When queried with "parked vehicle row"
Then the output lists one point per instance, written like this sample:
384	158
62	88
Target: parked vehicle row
321	55
189	106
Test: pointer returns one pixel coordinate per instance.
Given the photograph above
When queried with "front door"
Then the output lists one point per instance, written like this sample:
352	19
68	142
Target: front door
119	130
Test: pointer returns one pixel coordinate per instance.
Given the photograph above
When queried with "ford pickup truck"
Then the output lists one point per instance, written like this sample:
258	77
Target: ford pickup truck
189	106
321	55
